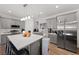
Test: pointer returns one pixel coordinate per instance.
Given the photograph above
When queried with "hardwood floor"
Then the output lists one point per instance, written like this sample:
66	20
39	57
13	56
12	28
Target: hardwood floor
2	50
54	50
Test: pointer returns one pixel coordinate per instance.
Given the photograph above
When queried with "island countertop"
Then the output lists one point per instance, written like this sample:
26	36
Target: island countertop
20	42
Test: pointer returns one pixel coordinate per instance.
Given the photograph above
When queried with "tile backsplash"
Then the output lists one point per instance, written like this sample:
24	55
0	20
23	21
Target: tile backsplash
6	30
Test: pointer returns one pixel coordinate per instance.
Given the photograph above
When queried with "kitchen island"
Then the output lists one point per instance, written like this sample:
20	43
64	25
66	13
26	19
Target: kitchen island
20	42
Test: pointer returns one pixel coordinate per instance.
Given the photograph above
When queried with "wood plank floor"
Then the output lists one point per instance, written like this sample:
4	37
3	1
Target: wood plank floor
2	50
54	50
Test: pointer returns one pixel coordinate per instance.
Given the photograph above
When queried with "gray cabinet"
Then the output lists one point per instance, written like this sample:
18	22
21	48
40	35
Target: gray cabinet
60	22
67	21
53	38
52	23
35	48
6	23
71	22
3	39
20	23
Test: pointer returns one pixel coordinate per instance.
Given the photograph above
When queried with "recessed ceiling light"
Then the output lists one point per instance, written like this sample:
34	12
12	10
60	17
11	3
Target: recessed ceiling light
9	11
41	12
29	17
32	16
26	17
59	21
23	19
57	6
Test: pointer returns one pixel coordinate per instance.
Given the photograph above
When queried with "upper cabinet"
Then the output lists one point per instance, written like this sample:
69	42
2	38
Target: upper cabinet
6	23
70	17
52	23
67	21
60	20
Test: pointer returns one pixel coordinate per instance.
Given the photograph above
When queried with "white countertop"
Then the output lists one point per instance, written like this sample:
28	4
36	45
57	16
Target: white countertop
20	42
52	33
4	33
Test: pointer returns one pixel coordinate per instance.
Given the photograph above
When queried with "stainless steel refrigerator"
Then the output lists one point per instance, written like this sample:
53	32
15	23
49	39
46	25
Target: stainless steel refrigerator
67	32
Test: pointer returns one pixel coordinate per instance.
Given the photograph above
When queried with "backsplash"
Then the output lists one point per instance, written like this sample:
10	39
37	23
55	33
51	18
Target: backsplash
7	30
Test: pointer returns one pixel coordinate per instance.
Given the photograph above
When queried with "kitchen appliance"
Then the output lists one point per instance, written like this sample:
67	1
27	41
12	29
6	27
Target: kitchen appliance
67	39
70	40
15	31
67	31
60	39
15	26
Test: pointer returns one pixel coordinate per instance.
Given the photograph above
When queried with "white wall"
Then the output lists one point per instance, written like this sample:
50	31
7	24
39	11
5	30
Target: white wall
29	25
8	16
40	22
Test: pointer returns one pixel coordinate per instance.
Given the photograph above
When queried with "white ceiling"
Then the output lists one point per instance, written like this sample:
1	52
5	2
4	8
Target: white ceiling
34	10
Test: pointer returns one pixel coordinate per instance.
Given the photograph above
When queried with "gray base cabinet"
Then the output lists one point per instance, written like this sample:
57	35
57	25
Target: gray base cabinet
53	38
35	48
3	39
